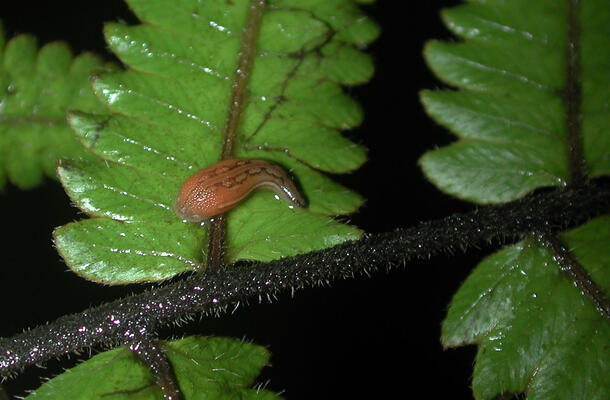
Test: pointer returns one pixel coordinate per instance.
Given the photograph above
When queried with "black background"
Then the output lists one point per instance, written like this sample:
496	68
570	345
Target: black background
372	337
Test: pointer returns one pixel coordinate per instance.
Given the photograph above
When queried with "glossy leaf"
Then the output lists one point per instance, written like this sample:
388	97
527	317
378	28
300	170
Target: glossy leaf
166	121
509	113
536	332
37	86
206	368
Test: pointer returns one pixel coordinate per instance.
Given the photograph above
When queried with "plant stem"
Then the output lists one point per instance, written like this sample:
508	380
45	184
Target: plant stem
573	98
212	291
239	89
152	355
150	352
572	268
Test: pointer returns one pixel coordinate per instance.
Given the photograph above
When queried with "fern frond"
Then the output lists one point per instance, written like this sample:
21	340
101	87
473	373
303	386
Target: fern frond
38	87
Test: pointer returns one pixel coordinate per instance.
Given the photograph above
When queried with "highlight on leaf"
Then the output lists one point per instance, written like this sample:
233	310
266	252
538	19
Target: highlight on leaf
516	109
166	117
38	86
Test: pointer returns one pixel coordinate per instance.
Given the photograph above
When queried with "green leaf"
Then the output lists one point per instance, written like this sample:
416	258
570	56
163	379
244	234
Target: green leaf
36	89
166	120
509	113
206	368
595	84
536	332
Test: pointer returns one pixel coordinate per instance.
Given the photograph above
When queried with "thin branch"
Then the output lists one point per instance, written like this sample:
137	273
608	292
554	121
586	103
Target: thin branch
239	89
572	268
216	243
573	97
151	353
114	323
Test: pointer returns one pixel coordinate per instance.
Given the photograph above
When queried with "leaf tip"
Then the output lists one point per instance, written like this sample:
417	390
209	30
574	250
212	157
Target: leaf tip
424	95
429	49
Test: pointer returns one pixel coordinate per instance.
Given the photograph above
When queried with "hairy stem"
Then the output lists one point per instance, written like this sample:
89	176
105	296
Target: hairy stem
211	291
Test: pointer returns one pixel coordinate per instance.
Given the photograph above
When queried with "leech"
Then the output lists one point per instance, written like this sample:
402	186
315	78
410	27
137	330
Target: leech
220	187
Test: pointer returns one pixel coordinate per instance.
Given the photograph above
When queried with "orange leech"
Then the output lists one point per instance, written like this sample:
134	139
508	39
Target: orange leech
220	187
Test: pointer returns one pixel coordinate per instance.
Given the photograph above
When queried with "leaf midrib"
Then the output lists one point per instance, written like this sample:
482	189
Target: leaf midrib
573	97
217	228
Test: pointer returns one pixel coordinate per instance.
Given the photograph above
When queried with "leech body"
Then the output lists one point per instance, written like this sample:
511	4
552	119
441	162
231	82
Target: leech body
220	187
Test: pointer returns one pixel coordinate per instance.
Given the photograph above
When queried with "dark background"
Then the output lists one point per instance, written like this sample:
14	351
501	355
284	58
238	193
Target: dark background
372	337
